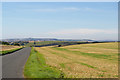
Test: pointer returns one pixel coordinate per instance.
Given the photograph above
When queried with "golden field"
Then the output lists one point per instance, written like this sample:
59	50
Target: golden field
8	47
98	60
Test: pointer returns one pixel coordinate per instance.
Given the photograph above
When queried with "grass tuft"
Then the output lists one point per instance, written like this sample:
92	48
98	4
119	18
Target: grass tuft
62	65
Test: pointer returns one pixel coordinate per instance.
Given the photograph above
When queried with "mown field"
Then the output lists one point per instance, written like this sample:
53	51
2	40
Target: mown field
98	60
8	47
4	49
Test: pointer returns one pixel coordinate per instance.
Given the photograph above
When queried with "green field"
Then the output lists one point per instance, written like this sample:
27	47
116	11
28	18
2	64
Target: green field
98	60
42	43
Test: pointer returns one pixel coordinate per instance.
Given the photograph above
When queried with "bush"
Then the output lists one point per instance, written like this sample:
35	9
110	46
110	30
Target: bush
16	44
59	45
5	43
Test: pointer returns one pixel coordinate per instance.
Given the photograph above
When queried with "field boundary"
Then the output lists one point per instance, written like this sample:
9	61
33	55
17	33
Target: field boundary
66	44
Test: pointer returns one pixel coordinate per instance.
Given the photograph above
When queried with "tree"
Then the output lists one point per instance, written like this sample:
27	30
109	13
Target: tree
59	45
16	44
5	43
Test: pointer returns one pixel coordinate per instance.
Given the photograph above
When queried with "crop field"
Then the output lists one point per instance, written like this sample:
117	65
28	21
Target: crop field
8	47
98	60
5	49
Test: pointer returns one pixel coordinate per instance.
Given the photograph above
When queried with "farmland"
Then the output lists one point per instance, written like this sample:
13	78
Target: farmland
50	43
4	49
8	47
98	60
42	43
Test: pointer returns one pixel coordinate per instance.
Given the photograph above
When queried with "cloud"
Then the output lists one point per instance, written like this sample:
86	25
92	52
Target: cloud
86	31
45	10
89	9
71	8
57	9
63	9
79	9
96	34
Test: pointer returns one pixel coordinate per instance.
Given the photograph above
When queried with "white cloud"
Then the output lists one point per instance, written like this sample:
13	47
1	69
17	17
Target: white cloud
63	9
56	9
85	31
89	9
45	10
79	9
96	34
71	8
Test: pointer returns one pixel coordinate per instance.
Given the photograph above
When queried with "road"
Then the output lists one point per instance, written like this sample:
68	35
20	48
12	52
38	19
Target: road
13	64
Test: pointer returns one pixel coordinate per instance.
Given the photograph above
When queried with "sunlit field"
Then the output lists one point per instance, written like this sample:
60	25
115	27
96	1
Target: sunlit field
8	47
98	60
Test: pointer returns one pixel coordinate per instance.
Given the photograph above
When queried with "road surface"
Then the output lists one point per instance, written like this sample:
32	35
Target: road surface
13	64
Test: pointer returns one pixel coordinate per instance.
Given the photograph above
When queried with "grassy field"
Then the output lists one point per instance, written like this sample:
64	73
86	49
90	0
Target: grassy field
36	67
8	47
41	43
5	49
99	60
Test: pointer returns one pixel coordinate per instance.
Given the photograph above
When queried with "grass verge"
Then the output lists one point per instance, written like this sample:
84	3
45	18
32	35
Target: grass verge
9	51
36	67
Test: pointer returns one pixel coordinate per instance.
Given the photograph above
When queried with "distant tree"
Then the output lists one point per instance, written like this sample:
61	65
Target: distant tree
0	42
16	44
59	45
31	46
5	43
22	43
34	42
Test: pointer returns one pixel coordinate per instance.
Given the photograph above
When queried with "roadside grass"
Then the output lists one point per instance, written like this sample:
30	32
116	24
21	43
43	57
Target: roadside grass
36	67
9	51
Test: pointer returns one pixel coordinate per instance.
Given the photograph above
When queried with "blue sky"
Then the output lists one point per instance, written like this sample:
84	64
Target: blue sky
68	20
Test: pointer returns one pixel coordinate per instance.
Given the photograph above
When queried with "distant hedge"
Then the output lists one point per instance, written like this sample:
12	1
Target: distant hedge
5	43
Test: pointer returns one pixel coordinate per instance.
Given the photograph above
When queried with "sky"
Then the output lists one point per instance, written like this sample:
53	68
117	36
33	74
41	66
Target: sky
60	0
62	20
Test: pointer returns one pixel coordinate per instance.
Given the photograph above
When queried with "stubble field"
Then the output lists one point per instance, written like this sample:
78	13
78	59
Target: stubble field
98	60
8	47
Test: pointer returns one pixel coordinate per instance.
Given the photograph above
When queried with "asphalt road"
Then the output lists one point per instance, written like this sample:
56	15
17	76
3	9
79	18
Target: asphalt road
13	64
